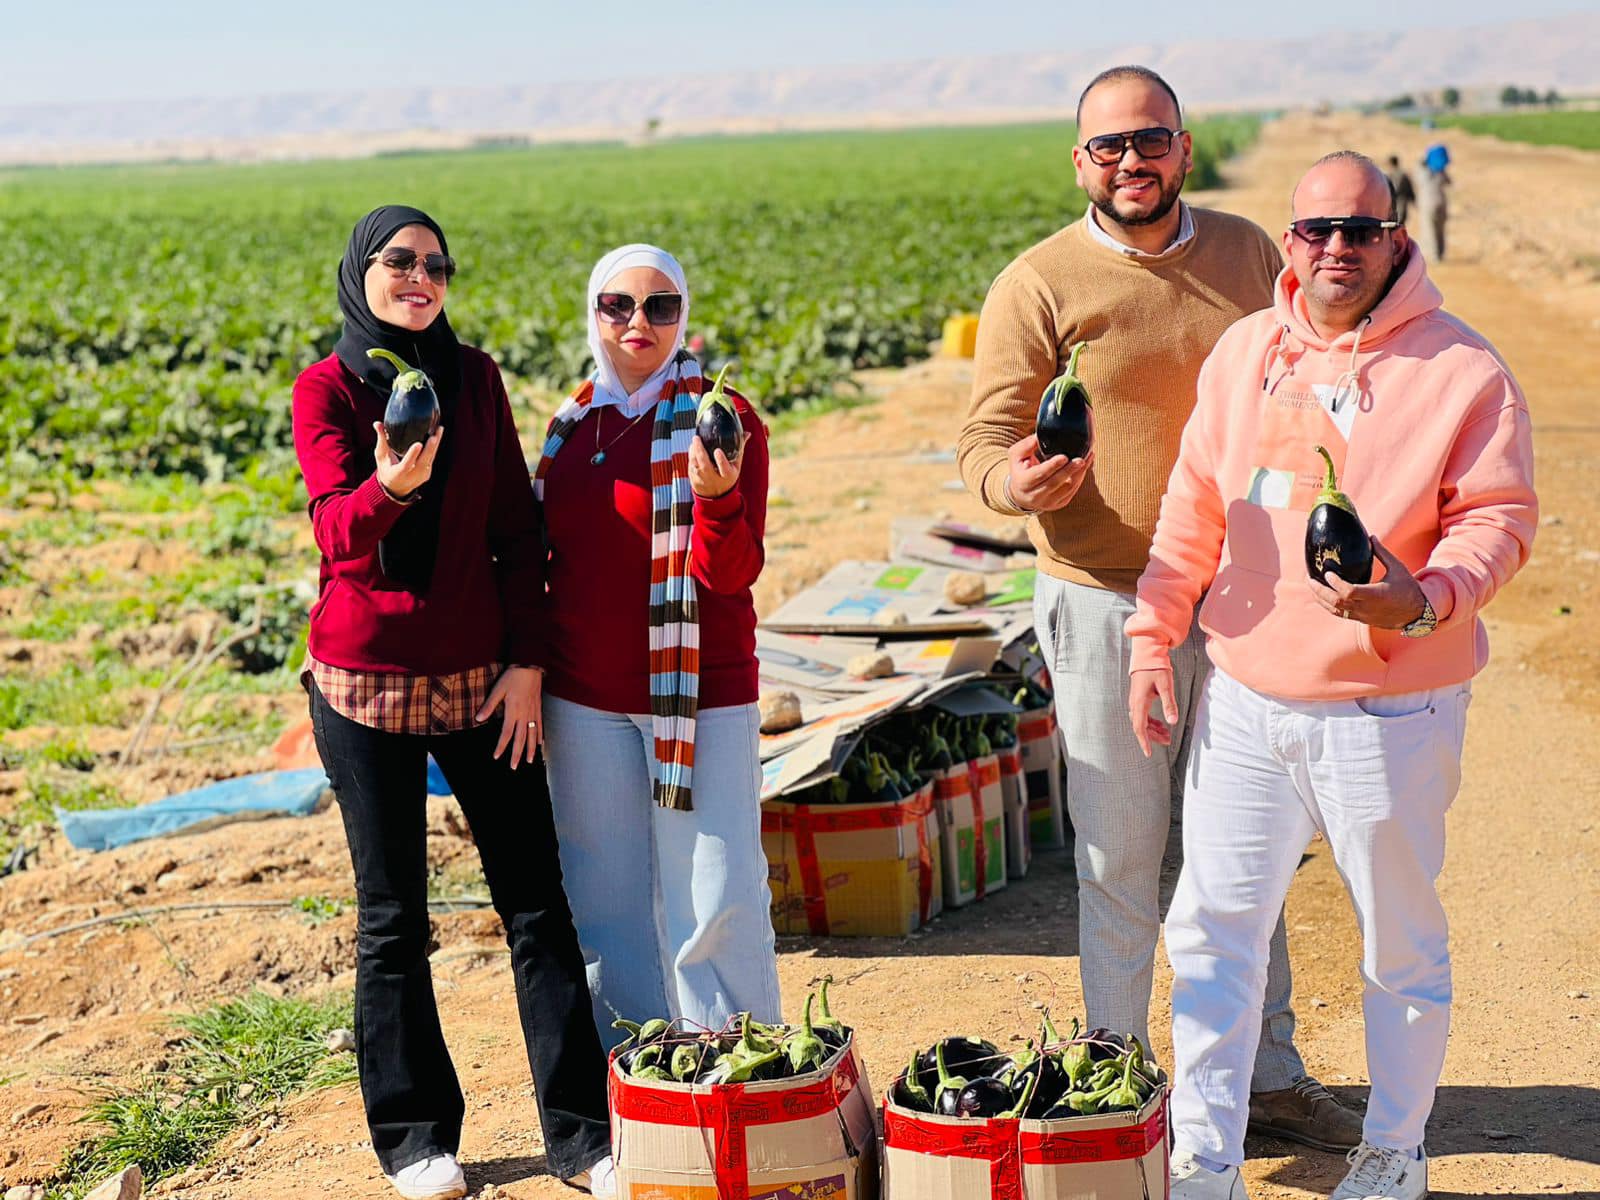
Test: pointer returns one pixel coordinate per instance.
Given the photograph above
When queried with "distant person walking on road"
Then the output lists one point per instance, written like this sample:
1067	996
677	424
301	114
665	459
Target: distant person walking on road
1430	198
1400	183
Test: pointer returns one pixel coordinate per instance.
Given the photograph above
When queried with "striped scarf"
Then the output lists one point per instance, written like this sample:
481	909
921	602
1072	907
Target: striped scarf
674	611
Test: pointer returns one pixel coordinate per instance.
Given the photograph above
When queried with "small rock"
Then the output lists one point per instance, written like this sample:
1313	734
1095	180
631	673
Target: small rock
129	1185
9	973
24	1114
26	1191
890	616
246	1091
340	1041
44	1039
780	712
965	588
1318	1002
876	665
1577	995
1499	1135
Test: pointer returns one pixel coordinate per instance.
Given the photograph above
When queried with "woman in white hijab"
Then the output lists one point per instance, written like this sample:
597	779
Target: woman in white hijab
650	716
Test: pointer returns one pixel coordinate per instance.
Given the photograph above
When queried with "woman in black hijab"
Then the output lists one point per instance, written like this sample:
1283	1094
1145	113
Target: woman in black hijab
428	623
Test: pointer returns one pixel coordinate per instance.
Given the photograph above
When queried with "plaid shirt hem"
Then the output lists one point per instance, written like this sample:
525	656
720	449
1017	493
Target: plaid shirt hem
396	702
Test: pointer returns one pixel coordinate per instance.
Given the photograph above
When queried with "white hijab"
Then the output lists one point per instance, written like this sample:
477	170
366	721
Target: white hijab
608	388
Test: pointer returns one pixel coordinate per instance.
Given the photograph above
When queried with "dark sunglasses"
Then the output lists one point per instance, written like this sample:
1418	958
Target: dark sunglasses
402	261
660	308
1358	231
1107	149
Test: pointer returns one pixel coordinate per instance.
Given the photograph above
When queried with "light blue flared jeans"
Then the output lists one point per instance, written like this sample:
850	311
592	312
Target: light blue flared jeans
672	908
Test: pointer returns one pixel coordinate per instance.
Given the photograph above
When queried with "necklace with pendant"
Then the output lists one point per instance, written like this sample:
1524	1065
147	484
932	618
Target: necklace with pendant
599	455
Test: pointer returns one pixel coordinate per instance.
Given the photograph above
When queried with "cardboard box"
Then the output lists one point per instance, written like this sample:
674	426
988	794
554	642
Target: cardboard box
853	870
1019	826
1119	1156
812	1137
1041	769
974	863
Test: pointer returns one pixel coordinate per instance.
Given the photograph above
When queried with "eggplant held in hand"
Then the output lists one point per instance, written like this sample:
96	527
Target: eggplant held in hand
1335	538
717	422
1066	418
413	411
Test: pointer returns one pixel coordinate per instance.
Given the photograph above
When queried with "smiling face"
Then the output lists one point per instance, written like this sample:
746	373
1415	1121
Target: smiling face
638	349
1343	281
412	300
1134	190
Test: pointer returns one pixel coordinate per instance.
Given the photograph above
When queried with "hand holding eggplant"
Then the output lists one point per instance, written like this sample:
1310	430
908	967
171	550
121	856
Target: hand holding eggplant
1038	483
401	475
1143	687
1393	602
710	476
717	448
520	692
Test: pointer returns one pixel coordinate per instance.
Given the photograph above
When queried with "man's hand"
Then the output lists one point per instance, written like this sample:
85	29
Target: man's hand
1143	687
1393	602
520	691
1044	486
402	476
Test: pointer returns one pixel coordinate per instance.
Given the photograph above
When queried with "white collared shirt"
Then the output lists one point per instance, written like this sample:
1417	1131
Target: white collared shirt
1185	233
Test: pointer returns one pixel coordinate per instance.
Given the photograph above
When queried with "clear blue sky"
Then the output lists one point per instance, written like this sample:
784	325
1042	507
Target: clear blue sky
64	50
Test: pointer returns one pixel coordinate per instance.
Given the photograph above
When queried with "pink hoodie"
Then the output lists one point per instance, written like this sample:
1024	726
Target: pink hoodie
1432	442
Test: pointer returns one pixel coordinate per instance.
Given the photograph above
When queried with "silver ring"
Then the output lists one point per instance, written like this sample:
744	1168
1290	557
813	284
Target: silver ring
533	724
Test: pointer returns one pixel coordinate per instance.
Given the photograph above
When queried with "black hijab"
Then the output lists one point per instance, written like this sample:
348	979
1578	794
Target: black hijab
407	553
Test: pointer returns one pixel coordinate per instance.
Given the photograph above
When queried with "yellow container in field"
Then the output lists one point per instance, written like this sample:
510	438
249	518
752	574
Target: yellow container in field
960	336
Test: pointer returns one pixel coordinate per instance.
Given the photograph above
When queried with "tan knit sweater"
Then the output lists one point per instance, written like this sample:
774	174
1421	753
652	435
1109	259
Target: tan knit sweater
1149	322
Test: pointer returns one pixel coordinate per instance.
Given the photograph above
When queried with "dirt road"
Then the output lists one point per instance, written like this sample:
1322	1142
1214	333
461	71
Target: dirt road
1519	1109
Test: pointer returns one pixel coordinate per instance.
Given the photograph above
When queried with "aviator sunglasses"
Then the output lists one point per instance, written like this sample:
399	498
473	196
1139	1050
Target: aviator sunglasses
1358	231
660	308
402	260
1107	149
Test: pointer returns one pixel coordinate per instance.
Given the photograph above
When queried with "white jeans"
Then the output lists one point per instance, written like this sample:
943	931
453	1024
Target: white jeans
1121	807
672	908
1375	776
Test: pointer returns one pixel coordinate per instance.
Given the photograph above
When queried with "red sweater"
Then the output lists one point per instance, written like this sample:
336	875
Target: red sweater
597	524
485	602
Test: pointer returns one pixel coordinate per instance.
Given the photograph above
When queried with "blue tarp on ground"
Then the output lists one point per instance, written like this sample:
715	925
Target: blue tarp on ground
272	793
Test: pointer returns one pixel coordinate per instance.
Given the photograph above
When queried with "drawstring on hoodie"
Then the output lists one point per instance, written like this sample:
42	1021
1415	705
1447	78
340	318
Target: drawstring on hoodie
1352	374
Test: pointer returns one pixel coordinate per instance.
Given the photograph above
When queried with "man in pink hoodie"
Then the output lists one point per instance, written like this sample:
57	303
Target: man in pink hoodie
1332	707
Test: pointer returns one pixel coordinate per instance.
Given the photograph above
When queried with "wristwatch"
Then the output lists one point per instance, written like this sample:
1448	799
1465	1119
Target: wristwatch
1423	625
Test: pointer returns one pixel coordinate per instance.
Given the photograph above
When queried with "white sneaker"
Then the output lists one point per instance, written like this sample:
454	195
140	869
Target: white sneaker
1379	1174
599	1180
1191	1181
436	1178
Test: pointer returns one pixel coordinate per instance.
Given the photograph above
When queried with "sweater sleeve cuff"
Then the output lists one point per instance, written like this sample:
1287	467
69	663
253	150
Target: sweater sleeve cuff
1147	654
1436	587
994	490
372	500
719	508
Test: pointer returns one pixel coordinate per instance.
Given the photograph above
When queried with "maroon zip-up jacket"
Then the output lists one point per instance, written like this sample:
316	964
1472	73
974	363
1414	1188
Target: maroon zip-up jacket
486	601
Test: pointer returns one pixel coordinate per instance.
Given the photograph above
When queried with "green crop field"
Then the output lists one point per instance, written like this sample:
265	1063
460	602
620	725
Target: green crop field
156	317
1580	129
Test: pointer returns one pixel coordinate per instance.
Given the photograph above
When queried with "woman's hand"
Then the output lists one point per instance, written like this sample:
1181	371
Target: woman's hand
520	692
710	477
402	476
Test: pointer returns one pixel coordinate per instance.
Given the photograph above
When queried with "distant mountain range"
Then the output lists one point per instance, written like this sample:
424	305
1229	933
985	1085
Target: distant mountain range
1338	68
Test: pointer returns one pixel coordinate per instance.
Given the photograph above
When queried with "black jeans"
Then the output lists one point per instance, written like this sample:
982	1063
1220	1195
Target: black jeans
413	1101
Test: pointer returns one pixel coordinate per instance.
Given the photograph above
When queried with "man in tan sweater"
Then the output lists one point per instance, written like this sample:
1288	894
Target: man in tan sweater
1149	284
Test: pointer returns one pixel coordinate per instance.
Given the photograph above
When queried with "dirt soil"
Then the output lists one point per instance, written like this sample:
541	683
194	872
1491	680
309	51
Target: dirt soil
1518	1112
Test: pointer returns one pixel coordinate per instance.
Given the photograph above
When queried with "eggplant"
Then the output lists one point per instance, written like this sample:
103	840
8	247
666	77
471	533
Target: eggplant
805	1049
412	413
947	1091
1066	418
963	1054
909	1091
1105	1044
1336	540
984	1097
716	421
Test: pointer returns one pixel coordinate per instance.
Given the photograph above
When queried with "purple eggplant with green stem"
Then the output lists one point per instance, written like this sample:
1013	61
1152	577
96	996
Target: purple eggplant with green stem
412	413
